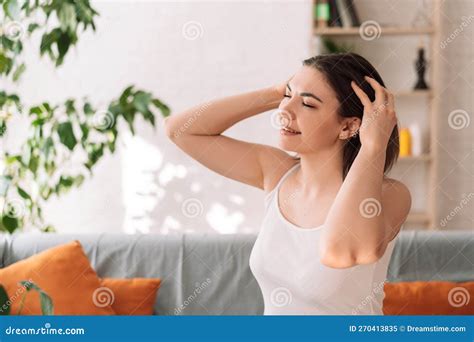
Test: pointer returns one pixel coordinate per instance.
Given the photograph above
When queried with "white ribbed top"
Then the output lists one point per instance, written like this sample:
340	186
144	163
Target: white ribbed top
285	263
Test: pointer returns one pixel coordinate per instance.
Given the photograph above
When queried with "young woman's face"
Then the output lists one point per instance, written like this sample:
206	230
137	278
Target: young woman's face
309	113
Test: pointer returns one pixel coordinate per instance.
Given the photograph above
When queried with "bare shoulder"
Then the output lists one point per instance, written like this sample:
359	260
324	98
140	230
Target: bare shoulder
275	163
395	189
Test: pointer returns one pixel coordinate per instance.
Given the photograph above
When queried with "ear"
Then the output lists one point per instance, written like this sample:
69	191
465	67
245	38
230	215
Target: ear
350	127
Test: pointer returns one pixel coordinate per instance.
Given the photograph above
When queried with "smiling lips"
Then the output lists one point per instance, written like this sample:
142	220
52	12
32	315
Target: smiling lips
287	130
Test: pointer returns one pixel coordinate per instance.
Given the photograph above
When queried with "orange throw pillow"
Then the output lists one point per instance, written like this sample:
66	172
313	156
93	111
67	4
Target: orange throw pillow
64	273
132	296
429	298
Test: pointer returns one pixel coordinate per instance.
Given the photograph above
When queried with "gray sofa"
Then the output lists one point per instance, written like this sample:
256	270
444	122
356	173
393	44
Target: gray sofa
209	274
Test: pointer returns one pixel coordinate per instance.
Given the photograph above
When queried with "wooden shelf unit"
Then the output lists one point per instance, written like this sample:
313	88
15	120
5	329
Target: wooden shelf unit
427	217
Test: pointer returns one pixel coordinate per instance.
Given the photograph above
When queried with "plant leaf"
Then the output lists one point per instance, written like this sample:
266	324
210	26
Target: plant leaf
45	300
18	72
23	193
10	223
4	184
66	135
4	307
12	9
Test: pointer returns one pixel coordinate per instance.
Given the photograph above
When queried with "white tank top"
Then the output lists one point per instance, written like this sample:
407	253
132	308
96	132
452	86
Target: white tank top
285	263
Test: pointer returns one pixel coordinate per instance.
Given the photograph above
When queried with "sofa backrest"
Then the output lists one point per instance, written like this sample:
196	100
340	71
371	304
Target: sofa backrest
205	274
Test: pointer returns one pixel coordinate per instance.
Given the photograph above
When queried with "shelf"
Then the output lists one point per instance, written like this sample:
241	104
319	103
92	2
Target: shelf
353	31
423	218
423	157
413	93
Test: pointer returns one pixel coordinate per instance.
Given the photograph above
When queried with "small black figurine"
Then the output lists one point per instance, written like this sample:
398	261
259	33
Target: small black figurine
420	66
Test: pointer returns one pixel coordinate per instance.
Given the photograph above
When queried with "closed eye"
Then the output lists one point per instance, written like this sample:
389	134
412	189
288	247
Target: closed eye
304	104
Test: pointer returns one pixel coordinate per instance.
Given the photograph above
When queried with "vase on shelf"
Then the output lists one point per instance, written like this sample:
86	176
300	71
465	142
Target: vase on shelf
420	66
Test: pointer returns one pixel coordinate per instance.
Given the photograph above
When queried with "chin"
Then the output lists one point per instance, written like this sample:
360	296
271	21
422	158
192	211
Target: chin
288	143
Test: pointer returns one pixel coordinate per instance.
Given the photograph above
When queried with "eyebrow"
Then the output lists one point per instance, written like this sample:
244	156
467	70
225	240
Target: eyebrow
307	94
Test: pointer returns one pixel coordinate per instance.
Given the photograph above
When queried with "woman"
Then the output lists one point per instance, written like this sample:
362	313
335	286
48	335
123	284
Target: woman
331	215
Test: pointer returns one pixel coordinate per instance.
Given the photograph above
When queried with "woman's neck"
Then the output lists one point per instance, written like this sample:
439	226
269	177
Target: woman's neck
320	172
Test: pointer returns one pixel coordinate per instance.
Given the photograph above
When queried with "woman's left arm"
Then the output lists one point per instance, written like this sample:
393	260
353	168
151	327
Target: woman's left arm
368	211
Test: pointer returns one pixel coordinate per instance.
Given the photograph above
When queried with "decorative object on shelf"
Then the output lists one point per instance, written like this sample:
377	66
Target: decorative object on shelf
405	142
322	13
420	66
416	139
335	17
343	13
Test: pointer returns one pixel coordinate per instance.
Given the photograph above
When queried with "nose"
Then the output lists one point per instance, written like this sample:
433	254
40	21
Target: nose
287	108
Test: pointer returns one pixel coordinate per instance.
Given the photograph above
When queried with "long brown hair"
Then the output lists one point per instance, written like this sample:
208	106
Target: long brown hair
340	69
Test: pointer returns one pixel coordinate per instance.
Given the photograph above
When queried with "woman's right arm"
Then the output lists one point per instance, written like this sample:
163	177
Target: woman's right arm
198	132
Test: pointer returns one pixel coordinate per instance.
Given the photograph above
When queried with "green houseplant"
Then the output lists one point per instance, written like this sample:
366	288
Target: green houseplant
47	307
57	132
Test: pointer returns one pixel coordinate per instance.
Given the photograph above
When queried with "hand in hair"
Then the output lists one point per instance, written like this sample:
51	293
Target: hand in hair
379	117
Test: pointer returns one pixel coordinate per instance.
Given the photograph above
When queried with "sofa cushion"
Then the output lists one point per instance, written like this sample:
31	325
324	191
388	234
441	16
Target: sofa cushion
209	273
131	296
64	273
429	298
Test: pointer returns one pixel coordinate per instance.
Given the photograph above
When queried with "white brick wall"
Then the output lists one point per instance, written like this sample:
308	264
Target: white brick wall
243	46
